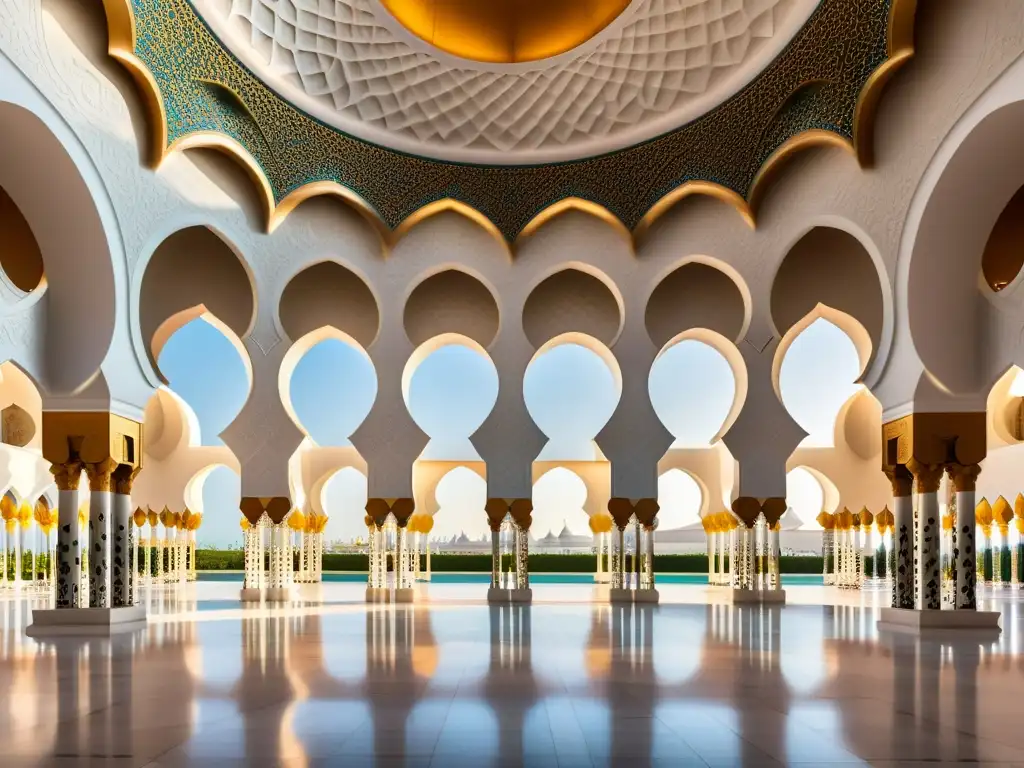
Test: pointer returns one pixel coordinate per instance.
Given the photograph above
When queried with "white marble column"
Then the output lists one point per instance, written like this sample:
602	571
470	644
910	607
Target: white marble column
619	574
647	582
711	543
496	558
122	588
253	557
68	550
965	567
522	557
903	538
776	554
100	507
929	535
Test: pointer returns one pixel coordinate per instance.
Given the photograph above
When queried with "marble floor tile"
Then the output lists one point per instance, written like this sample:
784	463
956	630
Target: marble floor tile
562	683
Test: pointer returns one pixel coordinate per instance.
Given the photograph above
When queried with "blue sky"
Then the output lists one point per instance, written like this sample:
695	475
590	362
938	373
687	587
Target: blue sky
569	393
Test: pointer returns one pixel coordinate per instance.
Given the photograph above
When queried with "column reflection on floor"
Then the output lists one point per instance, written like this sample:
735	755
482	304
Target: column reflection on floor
514	683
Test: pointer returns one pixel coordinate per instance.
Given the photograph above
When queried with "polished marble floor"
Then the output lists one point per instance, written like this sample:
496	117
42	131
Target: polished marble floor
565	682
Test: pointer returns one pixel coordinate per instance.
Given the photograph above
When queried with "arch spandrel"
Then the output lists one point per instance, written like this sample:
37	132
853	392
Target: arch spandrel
79	253
941	264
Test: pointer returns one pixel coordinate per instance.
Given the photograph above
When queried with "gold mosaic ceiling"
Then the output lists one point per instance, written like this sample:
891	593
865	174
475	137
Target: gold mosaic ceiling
822	90
505	31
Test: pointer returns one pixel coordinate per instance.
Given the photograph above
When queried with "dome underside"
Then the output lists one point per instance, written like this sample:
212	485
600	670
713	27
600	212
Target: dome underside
821	90
631	74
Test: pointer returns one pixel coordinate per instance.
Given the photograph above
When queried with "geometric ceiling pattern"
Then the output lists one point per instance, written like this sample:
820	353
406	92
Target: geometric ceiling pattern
821	89
666	61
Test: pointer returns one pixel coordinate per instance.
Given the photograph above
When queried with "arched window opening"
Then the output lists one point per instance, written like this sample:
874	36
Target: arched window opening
192	273
460	518
450	394
332	390
559	519
344	501
570	393
680	499
205	369
817	376
692	389
221	494
20	257
805	498
1003	256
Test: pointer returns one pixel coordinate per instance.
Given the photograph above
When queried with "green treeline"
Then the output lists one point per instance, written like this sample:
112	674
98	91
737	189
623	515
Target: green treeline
232	560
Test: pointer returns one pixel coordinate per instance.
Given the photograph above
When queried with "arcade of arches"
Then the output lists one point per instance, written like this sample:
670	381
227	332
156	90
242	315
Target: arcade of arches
397	186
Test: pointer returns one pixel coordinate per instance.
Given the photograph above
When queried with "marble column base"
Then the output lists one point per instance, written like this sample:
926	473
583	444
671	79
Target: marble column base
404	595
250	595
620	595
518	595
378	595
280	594
645	596
86	622
497	595
746	596
311	592
914	621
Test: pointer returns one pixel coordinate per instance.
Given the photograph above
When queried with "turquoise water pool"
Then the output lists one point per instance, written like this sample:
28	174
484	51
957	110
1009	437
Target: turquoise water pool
535	578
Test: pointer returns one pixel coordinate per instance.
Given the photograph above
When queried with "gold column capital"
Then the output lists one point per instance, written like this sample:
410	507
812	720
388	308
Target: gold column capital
926	476
901	479
379	509
520	509
773	508
99	474
622	509
67	476
935	438
123	477
276	508
747	509
99	442
963	476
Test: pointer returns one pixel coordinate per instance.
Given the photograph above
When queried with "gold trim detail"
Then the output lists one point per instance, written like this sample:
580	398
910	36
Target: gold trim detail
445	205
900	49
570	204
686	189
769	171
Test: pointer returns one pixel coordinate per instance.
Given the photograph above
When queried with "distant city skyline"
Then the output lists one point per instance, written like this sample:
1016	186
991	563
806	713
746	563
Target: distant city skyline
569	392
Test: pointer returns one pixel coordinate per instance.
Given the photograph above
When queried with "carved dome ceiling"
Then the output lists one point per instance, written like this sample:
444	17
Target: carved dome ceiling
669	98
598	75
